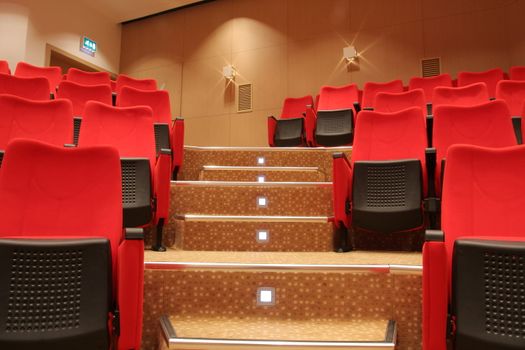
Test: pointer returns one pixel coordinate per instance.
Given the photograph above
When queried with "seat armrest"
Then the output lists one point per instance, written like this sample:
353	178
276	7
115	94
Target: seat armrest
165	151
342	189
134	233
309	125
161	183
272	124
430	130
516	123
430	160
357	107
434	236
130	269
69	145
435	293
177	145
367	108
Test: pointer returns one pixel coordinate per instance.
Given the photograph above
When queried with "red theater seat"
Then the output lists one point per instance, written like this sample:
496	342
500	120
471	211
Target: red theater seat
428	84
168	133
88	78
288	131
489	77
513	93
146	176
460	96
488	124
142	84
333	122
371	89
4	67
397	101
52	74
68	270
32	88
517	73
473	269
386	146
45	121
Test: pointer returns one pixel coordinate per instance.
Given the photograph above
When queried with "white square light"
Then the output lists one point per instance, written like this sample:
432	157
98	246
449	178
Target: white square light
261	178
262	236
266	296
261	161
262	202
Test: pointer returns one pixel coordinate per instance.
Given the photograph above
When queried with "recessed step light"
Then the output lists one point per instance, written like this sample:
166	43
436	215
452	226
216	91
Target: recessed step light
262	202
261	178
265	296
263	236
261	161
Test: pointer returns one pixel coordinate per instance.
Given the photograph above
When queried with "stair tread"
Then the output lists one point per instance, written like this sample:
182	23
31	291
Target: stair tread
287	258
252	328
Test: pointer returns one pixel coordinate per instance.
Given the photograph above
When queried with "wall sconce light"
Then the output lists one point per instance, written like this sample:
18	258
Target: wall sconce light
229	72
349	53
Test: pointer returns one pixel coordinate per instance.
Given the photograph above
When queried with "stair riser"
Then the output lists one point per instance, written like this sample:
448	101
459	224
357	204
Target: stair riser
270	176
299	296
242	236
195	159
307	200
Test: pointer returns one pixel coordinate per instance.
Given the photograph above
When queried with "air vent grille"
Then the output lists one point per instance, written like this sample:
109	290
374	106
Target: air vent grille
244	103
430	67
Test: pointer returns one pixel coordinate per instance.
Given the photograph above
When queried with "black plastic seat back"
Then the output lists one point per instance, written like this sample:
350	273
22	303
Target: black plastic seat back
334	128
162	136
289	132
55	294
488	294
387	195
136	191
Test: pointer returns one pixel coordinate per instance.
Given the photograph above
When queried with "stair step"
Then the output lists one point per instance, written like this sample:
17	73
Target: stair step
195	158
249	333
250	233
245	198
261	174
324	287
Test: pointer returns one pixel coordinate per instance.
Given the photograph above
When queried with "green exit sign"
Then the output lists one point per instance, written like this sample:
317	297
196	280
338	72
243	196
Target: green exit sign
88	46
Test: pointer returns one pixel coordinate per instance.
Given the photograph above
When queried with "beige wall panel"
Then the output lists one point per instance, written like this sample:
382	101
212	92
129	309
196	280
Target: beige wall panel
467	42
152	43
266	70
258	24
308	19
389	53
250	129
315	62
207	131
208	30
205	91
380	13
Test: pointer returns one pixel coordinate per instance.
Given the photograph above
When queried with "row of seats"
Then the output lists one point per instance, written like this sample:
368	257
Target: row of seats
331	120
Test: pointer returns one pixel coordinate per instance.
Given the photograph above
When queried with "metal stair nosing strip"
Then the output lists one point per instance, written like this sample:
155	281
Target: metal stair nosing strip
252	218
260	168
268	149
170	337
249	183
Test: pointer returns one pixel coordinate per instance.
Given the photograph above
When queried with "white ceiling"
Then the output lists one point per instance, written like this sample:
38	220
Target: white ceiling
125	10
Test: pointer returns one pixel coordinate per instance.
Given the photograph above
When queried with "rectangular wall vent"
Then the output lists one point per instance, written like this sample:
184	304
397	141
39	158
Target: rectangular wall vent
244	98
430	67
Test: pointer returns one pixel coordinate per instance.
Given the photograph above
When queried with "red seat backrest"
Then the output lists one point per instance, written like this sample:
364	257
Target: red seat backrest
52	74
371	89
56	191
460	96
483	193
88	78
429	83
79	95
129	129
390	136
489	77
337	97
4	67
46	121
512	92
397	101
31	88
157	100
294	107
142	84
488	124
517	73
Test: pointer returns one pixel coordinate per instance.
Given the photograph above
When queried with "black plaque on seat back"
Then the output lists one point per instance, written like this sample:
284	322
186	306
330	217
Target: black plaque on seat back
334	128
289	132
387	195
55	294
488	294
162	136
136	191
